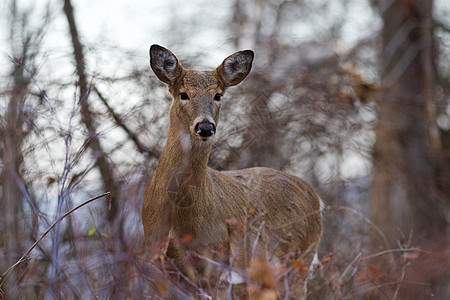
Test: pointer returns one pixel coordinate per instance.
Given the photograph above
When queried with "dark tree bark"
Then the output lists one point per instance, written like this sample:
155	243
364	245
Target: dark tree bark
407	197
102	162
25	44
11	140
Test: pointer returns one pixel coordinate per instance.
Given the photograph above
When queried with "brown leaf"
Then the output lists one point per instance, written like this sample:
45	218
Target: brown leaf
374	270
300	266
362	276
187	238
326	259
263	274
161	287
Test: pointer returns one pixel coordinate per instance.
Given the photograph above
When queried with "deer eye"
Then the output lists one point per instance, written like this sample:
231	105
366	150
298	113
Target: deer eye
217	97
184	96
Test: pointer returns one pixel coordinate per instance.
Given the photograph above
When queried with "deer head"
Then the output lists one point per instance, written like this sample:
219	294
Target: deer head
197	94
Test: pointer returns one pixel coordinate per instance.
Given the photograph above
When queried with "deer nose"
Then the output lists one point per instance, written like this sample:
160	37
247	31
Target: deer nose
205	128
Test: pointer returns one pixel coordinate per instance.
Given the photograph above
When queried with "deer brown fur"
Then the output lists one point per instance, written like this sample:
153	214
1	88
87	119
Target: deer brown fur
186	198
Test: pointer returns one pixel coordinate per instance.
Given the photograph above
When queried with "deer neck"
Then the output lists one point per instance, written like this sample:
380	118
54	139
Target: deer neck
182	166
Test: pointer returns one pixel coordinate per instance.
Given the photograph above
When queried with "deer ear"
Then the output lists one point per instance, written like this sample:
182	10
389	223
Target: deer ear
236	67
165	64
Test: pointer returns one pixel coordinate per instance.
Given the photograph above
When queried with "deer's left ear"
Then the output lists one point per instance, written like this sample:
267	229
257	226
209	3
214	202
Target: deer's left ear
236	67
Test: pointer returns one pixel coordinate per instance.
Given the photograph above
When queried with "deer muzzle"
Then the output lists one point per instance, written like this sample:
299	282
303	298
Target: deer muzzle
205	128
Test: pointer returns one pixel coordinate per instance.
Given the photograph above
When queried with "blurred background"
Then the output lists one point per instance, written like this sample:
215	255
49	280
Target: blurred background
351	95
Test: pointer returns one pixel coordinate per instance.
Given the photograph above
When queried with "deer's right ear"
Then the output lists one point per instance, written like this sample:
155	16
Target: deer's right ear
165	64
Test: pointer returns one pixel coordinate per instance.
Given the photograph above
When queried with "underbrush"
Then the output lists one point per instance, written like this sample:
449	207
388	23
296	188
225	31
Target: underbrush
103	264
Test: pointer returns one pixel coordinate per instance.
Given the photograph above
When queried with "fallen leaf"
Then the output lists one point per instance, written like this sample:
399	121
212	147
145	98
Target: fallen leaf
298	264
375	271
161	287
362	276
187	238
91	231
326	259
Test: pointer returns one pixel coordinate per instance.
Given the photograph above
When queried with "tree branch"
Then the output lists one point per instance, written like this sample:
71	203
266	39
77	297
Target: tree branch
141	148
25	256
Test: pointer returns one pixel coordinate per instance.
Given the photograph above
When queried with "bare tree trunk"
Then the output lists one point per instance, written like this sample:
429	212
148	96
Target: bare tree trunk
406	199
25	44
11	202
104	165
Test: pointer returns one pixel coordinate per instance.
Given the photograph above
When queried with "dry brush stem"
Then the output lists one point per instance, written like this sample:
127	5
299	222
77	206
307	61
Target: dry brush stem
25	256
365	218
390	251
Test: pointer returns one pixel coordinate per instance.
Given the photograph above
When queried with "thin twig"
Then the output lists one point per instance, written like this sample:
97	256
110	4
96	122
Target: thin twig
25	256
365	218
255	243
350	270
392	251
141	148
397	289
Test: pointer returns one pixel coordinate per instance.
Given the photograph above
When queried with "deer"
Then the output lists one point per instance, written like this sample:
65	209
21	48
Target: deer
188	207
